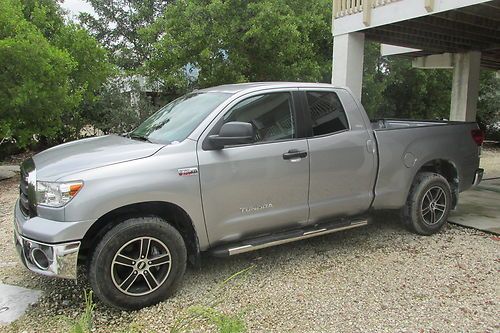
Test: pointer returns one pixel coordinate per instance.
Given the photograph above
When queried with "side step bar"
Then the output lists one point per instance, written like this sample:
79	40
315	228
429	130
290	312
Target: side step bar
285	237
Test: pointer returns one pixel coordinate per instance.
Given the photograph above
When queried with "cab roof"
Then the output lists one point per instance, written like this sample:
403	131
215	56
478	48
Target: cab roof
252	86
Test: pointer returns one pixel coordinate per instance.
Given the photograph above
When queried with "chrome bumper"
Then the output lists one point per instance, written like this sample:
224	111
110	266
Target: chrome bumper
478	177
58	260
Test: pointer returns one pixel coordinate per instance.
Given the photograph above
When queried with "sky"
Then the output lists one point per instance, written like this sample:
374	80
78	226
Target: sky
77	6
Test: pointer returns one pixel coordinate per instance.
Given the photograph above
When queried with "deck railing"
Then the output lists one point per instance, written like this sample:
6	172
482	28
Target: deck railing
347	7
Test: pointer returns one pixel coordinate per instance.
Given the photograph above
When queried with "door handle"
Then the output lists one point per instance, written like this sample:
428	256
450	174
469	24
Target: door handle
294	154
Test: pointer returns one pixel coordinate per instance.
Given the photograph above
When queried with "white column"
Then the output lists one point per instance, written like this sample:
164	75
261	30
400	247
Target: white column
465	88
348	53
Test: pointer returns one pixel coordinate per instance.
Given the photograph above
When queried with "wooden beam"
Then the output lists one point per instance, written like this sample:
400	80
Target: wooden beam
416	43
489	13
451	27
476	21
430	38
420	30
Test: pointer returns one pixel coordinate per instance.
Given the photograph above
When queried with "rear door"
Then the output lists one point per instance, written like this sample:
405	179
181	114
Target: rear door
342	159
255	188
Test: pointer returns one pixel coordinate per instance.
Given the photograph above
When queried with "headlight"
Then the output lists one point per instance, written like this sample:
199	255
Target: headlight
55	194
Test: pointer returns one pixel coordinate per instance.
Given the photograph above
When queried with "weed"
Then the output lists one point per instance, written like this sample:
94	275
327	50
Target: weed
85	322
224	323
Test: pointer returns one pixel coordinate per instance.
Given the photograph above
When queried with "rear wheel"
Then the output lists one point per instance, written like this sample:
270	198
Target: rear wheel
428	205
138	263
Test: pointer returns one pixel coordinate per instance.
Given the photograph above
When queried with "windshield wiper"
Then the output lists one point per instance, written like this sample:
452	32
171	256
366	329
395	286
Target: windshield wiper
138	137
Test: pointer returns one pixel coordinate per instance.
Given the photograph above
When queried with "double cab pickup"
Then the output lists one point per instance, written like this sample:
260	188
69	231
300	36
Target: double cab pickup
227	170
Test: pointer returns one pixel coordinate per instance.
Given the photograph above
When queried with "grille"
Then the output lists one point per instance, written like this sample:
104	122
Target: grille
23	193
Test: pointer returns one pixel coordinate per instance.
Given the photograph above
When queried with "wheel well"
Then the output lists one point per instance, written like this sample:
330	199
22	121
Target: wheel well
172	213
448	170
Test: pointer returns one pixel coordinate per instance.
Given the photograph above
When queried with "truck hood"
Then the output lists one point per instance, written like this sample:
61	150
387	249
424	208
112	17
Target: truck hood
80	155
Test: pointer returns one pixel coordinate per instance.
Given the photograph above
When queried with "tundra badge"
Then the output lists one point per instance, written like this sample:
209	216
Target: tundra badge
187	171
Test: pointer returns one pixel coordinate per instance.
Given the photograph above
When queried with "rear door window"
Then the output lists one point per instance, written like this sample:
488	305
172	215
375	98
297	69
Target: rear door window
327	113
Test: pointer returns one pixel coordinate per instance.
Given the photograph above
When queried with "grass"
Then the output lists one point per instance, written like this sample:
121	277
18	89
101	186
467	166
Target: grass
208	313
190	319
85	322
224	323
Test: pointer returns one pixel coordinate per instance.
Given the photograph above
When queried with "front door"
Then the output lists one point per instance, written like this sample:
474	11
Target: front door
256	188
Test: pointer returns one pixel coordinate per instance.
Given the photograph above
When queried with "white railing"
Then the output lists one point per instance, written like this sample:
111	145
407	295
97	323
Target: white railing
348	7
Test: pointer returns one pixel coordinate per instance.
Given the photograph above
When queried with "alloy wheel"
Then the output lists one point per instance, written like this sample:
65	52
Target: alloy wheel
141	266
434	205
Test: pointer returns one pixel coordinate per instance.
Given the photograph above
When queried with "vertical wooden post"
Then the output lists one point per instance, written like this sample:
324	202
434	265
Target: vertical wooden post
429	5
367	12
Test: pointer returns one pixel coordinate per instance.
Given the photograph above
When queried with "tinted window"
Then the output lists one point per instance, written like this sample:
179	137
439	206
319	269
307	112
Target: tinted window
327	114
270	115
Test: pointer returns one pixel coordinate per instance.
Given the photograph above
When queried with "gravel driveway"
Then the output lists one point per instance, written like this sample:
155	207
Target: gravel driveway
379	278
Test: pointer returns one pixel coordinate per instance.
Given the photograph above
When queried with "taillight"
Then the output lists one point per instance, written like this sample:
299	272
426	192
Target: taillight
477	136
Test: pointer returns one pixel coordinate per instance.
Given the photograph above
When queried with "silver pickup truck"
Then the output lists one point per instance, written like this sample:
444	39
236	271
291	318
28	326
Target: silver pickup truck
228	170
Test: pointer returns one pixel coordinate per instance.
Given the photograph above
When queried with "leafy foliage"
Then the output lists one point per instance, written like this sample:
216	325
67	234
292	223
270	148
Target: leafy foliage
118	24
34	85
51	73
392	88
120	108
237	41
488	105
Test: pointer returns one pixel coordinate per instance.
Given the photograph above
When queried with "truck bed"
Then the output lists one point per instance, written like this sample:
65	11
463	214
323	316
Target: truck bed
383	124
405	146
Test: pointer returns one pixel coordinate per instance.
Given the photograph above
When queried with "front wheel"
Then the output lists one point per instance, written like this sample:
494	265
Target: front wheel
138	263
428	205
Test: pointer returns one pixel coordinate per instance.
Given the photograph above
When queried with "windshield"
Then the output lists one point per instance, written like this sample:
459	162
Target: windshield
176	120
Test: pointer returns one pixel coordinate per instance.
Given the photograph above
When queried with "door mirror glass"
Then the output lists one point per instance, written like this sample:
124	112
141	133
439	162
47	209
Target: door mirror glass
233	133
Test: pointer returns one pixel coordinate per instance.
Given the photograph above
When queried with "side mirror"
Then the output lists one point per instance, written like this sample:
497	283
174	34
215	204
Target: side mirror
233	133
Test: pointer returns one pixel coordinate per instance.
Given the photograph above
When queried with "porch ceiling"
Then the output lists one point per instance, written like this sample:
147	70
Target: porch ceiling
475	27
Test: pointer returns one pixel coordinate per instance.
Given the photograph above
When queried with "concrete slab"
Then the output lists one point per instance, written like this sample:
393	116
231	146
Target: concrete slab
479	208
14	302
8	171
5	174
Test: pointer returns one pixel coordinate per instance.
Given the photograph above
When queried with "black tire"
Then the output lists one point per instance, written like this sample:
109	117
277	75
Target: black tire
108	271
419	214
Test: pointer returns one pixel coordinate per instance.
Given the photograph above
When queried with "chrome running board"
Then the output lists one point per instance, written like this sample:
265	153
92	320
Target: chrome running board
285	237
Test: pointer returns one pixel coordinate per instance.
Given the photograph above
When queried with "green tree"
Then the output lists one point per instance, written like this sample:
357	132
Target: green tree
393	88
92	68
238	41
121	106
88	79
374	70
118	24
51	73
488	105
415	93
34	85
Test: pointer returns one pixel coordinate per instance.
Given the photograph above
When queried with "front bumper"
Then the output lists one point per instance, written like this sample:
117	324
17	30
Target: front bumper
58	260
52	259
